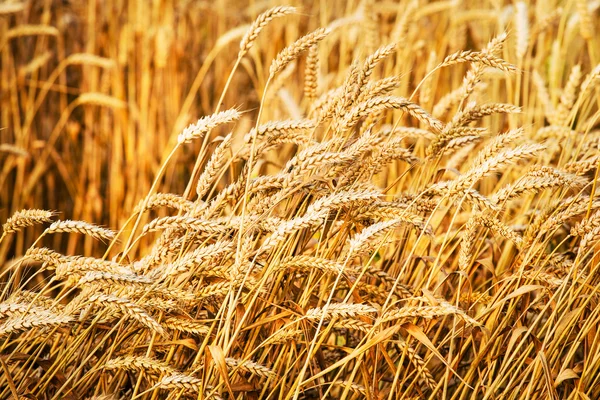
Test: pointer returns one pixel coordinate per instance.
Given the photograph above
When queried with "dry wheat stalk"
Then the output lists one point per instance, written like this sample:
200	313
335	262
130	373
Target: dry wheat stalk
158	200
200	258
581	167
330	311
310	263
467	243
366	71
425	94
522	28
459	143
586	20
284	335
274	129
101	99
45	255
427	312
215	289
140	363
11	8
311	73
112	396
589	229
130	309
81	265
451	133
184	223
497	144
322	107
186	325
213	167
355	324
180	381
553	217
90	59
554	131
537	179
108	278
590	82
380	87
295	49
567	98
379	103
251	367
476	297
494	163
206	124
353	386
33	320
37	299
477	57
418	362
24	218
500	228
19	309
363	242
544	277
259	24
31	30
476	112
542	95
82	227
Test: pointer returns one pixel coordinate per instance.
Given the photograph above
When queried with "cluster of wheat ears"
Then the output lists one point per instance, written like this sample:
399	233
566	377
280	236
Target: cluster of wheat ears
368	245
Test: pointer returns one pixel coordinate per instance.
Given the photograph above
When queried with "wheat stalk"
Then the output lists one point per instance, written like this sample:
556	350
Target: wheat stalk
85	228
295	49
25	218
206	124
130	309
259	24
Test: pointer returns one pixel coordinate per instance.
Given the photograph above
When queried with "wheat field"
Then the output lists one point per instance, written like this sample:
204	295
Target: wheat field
300	199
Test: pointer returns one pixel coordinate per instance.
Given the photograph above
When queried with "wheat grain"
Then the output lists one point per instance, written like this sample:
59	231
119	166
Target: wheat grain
214	165
259	24
90	59
477	57
128	308
310	263
183	222
522	27
586	21
31	321
311	74
101	99
206	124
568	97
85	228
186	325
250	366
344	310
158	200
379	103
108	278
583	166
25	218
140	363
31	30
11	8
295	49
180	381
418	362
353	386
